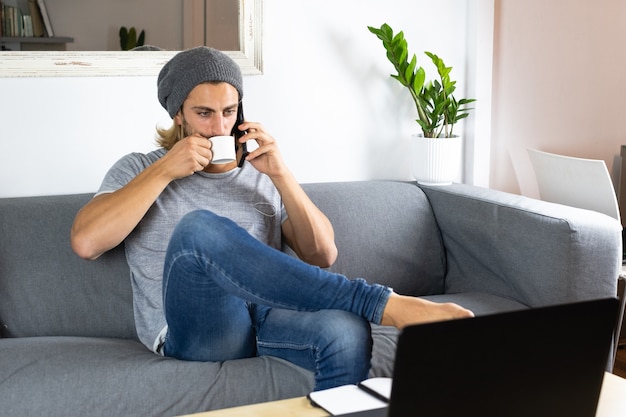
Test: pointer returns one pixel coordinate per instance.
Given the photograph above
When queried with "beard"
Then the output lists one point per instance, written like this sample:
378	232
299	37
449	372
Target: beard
187	130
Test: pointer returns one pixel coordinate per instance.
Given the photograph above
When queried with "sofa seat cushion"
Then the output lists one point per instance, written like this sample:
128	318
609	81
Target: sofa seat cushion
480	303
80	374
61	376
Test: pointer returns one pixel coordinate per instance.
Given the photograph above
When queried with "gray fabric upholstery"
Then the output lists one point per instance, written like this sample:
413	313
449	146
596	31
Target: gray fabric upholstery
410	258
534	252
69	346
118	377
45	289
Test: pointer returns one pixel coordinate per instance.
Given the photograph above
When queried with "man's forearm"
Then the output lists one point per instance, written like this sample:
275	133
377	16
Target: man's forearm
107	219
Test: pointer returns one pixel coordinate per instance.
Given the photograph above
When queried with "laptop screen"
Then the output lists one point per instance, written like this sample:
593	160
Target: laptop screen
538	362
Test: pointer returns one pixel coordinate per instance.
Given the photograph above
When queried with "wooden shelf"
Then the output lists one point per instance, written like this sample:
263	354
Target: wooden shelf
23	43
43	39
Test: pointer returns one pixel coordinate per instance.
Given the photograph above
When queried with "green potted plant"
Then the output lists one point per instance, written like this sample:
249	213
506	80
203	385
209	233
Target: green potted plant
129	39
437	109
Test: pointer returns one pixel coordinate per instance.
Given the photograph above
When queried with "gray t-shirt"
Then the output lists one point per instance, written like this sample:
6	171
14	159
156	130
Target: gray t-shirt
243	194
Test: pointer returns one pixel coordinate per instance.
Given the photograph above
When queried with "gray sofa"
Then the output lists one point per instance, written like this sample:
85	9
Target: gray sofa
68	343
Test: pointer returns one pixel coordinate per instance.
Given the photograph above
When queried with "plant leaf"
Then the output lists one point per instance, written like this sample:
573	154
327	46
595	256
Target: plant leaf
436	106
418	80
141	39
408	73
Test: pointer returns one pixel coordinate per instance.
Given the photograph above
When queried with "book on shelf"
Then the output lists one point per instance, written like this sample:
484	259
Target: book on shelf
36	19
46	17
21	19
10	18
27	26
12	24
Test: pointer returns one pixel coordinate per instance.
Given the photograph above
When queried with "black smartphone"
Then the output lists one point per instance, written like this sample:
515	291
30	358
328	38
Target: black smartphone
239	133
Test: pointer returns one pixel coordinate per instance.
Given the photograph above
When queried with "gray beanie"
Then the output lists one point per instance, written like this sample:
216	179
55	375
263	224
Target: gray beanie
189	68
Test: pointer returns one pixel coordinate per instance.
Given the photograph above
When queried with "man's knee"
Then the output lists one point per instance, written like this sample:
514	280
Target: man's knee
195	220
198	227
347	334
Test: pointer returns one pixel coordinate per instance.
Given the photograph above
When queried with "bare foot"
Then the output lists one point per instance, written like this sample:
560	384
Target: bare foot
402	311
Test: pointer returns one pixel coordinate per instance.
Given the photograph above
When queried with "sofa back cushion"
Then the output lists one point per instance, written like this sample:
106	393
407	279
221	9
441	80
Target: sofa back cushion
46	289
385	232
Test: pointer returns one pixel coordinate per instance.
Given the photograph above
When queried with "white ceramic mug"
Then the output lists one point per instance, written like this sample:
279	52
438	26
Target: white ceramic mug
223	148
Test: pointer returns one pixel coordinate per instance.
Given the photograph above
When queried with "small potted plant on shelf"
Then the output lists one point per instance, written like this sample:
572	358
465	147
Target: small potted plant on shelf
437	151
129	39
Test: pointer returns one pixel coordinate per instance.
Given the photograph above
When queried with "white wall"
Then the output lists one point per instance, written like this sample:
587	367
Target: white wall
325	95
558	86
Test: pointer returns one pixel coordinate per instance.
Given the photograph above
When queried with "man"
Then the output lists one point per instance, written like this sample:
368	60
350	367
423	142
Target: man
202	240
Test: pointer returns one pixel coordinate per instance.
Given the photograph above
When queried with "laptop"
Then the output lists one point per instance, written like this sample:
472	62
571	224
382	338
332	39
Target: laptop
547	361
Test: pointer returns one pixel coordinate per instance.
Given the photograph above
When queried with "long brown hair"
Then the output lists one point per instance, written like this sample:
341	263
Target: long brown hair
167	138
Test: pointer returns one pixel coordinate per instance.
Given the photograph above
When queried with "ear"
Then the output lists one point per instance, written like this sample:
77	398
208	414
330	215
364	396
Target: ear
178	118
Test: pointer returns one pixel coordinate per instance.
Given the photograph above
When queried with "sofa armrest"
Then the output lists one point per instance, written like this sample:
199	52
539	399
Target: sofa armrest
531	251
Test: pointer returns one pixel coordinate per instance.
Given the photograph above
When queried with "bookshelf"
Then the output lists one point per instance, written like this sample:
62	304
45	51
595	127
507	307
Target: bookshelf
23	43
26	26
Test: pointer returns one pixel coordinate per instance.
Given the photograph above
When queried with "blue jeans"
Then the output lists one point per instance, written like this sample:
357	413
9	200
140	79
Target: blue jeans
229	296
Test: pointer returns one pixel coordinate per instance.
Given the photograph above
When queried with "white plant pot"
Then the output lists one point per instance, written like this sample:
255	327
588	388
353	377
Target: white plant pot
436	161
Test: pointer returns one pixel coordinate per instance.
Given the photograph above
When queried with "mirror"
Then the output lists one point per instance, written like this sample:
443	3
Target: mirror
138	63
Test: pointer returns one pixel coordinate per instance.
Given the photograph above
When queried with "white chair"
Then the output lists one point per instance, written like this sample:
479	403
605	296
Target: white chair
582	183
576	182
